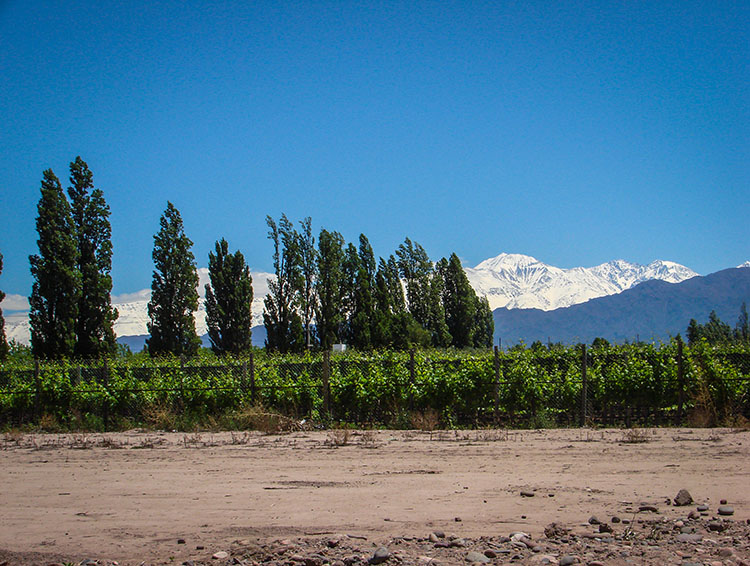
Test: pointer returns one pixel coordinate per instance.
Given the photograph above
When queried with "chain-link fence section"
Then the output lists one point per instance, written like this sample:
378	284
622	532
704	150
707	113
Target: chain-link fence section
539	387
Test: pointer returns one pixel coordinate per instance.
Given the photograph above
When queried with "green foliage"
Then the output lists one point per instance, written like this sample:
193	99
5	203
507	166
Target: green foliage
284	332
95	335
541	386
174	290
56	290
715	331
329	288
229	299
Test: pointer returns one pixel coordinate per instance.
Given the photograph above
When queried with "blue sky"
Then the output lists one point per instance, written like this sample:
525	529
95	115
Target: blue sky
574	132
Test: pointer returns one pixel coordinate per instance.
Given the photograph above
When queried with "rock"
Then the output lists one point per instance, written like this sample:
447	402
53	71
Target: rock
180	541
544	559
615	519
723	502
338	563
489	553
457	519
648	508
685	537
315	560
527	493
702	508
683	498
433	538
381	555
605	528
476	558
726	552
457	543
427	561
568	560
716	526
439	534
725	510
593	520
694	515
554	530
221	555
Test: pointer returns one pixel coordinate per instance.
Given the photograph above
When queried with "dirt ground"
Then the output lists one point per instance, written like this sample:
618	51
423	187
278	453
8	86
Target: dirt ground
321	497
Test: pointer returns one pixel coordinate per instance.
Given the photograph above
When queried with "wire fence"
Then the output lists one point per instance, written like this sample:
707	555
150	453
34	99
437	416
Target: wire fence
625	385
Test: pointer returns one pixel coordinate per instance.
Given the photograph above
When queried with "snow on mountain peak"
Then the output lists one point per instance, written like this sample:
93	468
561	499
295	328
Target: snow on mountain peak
520	281
746	264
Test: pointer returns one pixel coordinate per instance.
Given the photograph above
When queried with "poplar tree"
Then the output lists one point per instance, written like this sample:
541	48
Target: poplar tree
283	324
308	271
329	288
229	299
55	292
174	290
484	324
3	340
95	334
459	301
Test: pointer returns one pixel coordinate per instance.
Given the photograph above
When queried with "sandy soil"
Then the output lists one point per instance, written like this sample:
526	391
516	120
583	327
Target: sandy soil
171	497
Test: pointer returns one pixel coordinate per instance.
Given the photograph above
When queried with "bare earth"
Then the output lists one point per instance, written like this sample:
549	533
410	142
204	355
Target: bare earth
311	498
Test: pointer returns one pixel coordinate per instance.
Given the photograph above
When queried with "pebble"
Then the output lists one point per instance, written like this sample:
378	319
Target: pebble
615	519
527	494
723	502
716	526
180	541
476	557
605	528
725	510
688	537
221	555
593	520
683	498
381	555
489	553
649	508
568	560
702	508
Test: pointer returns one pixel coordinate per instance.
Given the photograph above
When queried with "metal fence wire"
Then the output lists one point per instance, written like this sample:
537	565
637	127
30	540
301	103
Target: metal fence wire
542	387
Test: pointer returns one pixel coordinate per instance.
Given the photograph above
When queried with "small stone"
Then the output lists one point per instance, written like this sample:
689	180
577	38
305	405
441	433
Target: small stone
381	555
693	515
200	547
723	502
716	526
683	498
221	555
568	560
439	534
476	558
648	508
433	538
554	530
527	494
685	537
489	553
180	541
605	528
616	519
595	563
457	519
725	510
593	520
702	508
726	552
457	543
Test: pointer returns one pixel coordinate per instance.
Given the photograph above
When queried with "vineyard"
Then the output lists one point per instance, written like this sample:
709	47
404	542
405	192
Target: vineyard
541	387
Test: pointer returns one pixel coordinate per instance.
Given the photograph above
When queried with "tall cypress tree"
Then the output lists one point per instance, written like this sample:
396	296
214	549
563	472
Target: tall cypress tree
229	300
329	287
484	324
363	308
95	334
3	340
174	290
55	292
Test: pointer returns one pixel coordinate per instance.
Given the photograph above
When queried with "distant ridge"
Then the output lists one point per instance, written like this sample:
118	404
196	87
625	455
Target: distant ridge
653	310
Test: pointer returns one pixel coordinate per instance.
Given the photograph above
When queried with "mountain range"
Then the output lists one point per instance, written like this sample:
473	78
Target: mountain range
528	298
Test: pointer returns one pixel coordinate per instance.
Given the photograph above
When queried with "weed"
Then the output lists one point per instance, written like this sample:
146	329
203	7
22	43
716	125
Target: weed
634	436
338	437
427	420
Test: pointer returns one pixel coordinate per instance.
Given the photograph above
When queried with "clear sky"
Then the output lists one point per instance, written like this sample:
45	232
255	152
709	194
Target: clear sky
576	132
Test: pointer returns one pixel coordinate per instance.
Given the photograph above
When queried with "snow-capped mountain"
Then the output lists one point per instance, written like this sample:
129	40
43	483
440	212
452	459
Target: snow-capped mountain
521	281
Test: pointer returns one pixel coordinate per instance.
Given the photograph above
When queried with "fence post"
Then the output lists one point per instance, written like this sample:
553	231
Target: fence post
326	383
584	386
496	385
252	378
37	392
106	395
412	379
680	380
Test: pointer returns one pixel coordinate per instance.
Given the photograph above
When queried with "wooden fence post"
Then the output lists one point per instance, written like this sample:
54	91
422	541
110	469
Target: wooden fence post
680	380
106	395
252	378
412	379
37	392
326	383
584	386
496	387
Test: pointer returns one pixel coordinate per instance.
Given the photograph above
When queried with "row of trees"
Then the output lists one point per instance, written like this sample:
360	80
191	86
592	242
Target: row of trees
715	331
339	293
335	292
